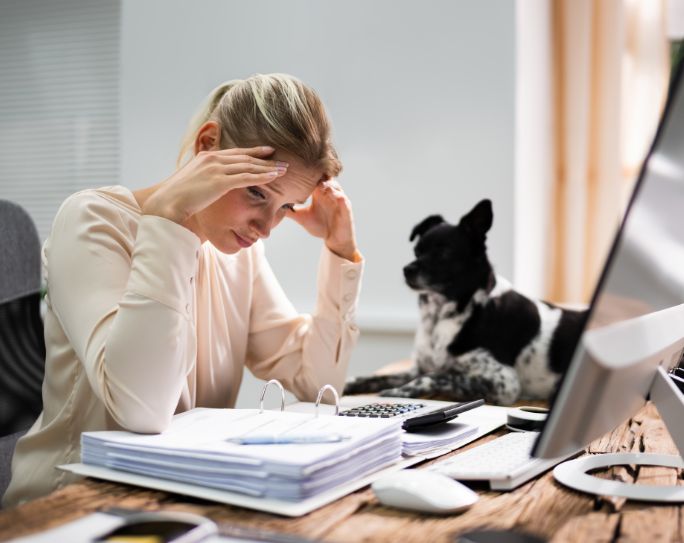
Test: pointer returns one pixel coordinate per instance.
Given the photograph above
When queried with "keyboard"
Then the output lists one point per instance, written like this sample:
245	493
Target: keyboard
504	462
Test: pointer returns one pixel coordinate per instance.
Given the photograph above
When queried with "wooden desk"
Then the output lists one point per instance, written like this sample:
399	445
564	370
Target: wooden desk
541	506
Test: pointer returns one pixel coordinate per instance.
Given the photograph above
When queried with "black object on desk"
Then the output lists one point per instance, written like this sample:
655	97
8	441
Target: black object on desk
438	416
172	526
497	536
161	526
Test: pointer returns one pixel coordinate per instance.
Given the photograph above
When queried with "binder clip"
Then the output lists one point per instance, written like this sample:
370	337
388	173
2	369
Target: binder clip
320	396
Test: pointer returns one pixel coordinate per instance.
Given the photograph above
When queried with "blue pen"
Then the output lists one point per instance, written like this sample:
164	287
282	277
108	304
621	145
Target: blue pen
286	440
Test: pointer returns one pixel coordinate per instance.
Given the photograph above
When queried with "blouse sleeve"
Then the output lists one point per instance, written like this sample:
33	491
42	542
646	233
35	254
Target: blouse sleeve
302	351
126	311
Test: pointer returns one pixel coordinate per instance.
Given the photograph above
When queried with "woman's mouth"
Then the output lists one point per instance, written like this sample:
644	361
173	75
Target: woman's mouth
242	242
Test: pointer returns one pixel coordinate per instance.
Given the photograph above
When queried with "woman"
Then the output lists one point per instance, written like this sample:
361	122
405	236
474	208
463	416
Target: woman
158	298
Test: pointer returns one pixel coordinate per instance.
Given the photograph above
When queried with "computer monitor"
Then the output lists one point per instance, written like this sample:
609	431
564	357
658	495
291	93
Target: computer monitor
634	331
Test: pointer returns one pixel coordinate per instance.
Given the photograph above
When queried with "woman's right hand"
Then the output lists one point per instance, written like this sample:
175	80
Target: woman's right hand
208	176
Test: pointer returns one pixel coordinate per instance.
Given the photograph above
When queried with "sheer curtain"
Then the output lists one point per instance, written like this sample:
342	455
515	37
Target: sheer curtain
610	75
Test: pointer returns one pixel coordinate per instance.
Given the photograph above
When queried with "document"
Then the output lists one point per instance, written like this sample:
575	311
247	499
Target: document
201	448
445	436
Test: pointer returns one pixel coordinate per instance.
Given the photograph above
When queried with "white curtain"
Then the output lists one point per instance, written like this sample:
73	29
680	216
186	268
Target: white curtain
611	70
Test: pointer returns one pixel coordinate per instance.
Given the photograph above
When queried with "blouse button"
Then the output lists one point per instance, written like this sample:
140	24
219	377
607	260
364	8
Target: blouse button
351	274
187	308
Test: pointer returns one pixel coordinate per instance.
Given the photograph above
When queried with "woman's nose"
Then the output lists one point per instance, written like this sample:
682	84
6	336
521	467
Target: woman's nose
263	224
261	228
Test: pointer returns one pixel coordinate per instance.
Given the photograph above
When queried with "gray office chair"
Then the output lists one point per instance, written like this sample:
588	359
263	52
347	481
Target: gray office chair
22	346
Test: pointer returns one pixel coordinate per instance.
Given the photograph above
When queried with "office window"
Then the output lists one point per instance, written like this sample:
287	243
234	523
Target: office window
59	101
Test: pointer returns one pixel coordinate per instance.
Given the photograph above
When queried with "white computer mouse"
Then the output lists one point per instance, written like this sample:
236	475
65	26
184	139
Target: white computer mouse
423	490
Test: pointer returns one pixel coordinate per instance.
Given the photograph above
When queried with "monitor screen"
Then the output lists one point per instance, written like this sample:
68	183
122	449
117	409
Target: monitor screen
633	324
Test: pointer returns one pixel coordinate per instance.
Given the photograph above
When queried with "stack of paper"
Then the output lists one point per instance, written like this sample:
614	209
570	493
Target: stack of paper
441	438
195	449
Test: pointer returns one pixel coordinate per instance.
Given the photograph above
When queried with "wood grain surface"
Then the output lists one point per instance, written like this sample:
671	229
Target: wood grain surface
541	507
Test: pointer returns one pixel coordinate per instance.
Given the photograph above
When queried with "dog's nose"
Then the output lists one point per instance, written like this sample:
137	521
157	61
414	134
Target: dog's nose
410	270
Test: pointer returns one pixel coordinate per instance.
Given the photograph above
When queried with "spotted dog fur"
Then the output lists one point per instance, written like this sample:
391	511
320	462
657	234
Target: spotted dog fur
478	338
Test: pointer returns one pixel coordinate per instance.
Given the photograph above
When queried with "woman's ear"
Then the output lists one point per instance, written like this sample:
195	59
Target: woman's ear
208	137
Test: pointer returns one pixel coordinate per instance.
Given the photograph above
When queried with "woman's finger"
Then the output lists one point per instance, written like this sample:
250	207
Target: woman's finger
247	159
247	179
233	158
259	152
246	174
234	169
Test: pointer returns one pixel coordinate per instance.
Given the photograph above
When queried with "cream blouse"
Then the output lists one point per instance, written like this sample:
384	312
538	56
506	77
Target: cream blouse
143	322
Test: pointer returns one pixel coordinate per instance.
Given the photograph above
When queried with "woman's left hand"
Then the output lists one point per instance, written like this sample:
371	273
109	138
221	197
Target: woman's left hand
329	216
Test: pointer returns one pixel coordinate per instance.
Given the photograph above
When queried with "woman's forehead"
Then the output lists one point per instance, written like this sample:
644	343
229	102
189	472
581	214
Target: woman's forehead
298	182
291	188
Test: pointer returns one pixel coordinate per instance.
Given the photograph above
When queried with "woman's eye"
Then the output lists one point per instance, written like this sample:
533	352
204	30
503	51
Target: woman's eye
256	193
289	206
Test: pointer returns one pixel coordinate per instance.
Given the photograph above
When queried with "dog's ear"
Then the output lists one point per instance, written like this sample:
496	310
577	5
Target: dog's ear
479	219
425	225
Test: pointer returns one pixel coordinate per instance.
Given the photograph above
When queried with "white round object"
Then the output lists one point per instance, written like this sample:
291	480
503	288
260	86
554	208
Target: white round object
423	490
573	474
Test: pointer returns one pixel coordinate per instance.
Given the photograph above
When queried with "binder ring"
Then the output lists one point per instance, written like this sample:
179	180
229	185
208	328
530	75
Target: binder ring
320	396
263	393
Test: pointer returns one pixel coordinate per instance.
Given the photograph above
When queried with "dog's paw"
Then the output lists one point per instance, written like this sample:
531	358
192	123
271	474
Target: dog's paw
403	392
399	392
366	385
351	385
359	385
416	388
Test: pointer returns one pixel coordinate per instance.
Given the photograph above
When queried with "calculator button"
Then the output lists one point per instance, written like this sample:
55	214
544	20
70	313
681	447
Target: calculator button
382	410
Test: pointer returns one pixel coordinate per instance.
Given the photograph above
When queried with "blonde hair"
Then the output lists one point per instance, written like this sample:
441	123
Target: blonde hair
273	109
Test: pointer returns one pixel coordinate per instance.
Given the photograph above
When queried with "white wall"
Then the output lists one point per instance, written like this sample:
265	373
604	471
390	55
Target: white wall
421	95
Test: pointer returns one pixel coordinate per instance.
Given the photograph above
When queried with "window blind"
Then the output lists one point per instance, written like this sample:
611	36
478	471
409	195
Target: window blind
59	101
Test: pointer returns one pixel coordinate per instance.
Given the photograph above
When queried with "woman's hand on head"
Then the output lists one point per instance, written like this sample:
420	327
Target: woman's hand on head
329	216
208	176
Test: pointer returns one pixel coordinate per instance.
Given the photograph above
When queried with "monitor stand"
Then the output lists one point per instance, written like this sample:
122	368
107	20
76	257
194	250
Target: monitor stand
670	404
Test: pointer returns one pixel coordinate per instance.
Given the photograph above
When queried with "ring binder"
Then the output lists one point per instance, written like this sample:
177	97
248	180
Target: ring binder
282	395
320	396
286	462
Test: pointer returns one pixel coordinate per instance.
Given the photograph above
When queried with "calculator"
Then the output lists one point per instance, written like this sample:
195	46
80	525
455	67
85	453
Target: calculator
413	422
382	410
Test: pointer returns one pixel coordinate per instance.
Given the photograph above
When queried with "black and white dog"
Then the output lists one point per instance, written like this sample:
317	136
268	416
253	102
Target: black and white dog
478	338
